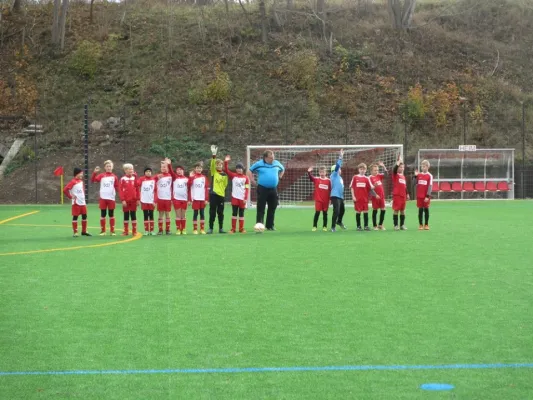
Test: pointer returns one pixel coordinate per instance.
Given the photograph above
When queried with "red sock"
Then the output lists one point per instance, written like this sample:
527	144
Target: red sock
195	224
112	224
167	224
178	222
126	227
241	223
146	226
233	223
202	224
151	222
75	226
183	223
102	224
160	224
133	228
83	226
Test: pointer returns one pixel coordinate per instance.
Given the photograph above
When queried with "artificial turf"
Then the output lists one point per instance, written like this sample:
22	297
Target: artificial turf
458	294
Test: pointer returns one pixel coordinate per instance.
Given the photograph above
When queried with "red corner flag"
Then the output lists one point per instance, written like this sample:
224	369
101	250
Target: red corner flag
58	171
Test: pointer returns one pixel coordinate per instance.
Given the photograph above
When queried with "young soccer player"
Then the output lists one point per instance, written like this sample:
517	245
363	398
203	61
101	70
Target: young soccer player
321	195
164	195
360	188
240	187
217	192
399	195
108	189
180	193
199	192
376	179
75	191
146	195
337	194
424	185
128	195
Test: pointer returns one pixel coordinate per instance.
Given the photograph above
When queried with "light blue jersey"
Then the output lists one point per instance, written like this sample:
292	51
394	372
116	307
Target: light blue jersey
267	174
337	184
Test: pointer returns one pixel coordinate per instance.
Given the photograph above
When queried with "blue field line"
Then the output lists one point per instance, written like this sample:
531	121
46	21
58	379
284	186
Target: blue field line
269	369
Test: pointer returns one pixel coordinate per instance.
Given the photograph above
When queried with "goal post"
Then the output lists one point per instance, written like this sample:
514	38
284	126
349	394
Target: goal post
469	173
295	189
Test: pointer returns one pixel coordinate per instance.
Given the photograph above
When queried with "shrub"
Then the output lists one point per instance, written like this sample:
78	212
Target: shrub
301	68
85	59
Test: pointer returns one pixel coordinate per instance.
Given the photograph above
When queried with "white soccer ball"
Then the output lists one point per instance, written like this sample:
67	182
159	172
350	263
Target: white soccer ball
259	227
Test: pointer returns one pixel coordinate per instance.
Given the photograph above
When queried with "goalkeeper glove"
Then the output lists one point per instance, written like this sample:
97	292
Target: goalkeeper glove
214	150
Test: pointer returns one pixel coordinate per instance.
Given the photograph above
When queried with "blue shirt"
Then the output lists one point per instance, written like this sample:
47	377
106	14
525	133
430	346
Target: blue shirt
337	184
267	174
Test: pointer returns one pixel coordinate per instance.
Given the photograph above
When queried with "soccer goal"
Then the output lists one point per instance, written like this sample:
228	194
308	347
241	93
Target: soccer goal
295	189
471	173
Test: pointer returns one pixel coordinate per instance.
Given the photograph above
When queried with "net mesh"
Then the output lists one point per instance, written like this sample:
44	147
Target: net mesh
295	189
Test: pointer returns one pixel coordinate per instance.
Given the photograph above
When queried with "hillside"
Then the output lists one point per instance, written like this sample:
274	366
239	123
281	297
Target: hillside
162	78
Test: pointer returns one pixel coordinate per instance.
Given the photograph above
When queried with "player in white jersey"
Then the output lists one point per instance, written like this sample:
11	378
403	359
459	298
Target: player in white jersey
147	194
164	195
240	186
199	192
108	190
180	198
74	190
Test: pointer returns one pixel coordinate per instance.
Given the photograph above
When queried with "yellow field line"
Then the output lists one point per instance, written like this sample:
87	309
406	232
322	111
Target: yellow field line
137	237
17	217
53	226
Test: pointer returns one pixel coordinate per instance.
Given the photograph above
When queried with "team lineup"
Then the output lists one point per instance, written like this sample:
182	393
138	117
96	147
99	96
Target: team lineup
172	188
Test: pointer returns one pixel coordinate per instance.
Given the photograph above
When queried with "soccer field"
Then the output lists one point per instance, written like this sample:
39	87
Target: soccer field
291	314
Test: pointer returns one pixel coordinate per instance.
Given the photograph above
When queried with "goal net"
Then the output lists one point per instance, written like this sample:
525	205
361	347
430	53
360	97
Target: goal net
295	189
470	173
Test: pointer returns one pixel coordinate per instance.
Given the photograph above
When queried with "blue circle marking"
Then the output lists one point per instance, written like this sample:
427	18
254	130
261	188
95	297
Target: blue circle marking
436	386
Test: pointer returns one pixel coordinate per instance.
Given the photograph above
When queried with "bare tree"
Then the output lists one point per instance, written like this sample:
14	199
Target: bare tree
55	22
262	13
401	13
59	22
91	12
17	5
63	22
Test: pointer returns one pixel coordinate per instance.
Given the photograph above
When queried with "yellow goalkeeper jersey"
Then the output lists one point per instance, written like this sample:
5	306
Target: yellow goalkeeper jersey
219	180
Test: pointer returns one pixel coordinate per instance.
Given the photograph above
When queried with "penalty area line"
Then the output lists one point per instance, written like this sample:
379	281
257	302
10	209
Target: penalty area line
17	217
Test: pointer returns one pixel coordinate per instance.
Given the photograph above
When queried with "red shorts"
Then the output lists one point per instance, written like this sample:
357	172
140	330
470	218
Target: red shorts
421	203
361	205
78	210
180	204
164	205
238	203
107	204
321	205
131	205
378	204
147	206
198	204
398	203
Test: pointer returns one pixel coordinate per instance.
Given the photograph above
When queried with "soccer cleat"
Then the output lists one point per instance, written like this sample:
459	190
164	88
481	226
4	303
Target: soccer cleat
376	228
184	232
420	227
381	228
160	233
325	229
202	232
124	233
271	229
209	231
242	231
342	226
146	233
221	231
403	228
168	233
75	235
396	228
102	233
178	233
314	229
85	234
195	232
367	228
359	229
333	230
231	232
426	227
113	233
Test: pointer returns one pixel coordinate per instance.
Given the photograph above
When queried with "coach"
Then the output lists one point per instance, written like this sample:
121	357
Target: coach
269	172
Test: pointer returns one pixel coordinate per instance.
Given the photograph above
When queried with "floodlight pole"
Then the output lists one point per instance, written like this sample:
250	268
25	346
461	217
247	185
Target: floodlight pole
523	149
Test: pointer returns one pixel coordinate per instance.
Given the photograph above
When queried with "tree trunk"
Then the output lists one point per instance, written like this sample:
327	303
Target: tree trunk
55	23
262	13
17	5
91	12
63	22
401	13
289	4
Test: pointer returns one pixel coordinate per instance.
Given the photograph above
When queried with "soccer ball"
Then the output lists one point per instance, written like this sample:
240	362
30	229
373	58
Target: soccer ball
259	227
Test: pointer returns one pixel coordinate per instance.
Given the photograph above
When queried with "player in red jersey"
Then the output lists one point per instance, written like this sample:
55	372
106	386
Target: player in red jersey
399	195
199	195
108	189
74	190
361	187
424	185
128	193
240	187
164	195
321	195
146	194
180	198
376	179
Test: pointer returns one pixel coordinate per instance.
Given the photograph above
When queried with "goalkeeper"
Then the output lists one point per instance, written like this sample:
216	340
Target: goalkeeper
217	192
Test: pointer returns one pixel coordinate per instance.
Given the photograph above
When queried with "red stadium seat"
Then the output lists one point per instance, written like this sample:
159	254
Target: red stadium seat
435	187
479	186
503	186
491	187
456	187
445	187
468	187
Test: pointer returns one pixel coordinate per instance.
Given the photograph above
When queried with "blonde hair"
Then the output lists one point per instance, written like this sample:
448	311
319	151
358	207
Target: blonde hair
425	162
362	165
374	166
108	162
322	168
127	166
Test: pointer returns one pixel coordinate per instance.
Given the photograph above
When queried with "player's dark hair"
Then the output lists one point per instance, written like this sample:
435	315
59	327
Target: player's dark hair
77	171
148	169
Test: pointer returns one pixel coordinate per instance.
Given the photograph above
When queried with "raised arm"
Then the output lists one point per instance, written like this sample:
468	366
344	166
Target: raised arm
96	177
310	175
226	167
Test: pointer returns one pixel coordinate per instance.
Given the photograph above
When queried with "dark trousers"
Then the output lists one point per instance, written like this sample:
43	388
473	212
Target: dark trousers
338	211
216	207
266	196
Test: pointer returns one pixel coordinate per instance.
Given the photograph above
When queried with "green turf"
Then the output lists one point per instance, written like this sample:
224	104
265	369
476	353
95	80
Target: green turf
459	294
